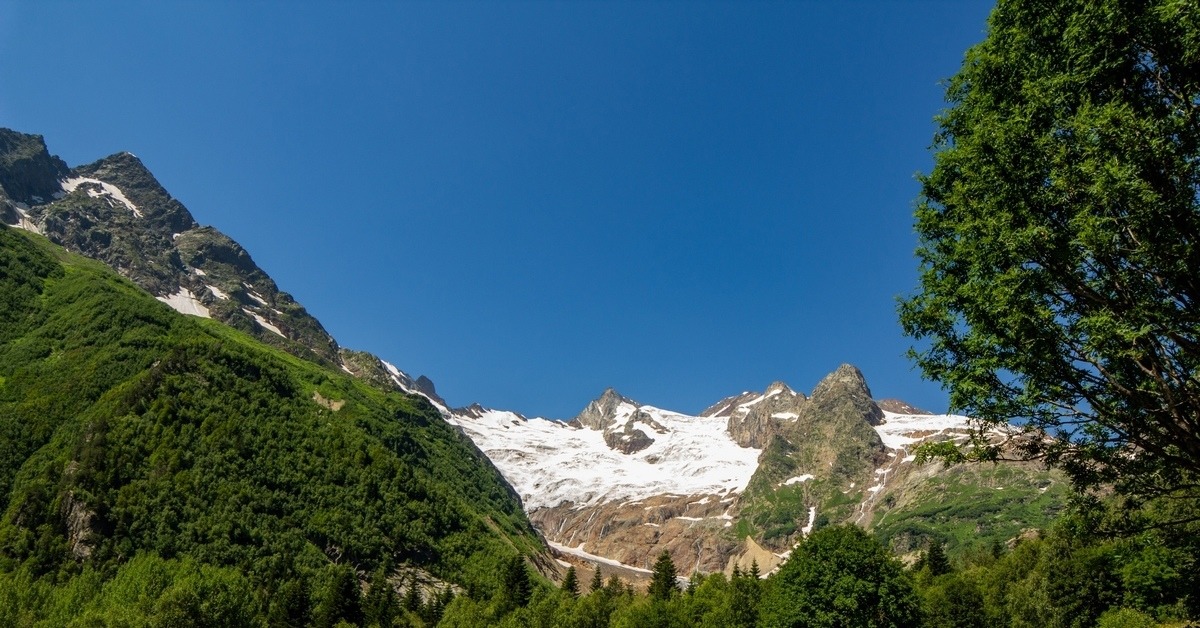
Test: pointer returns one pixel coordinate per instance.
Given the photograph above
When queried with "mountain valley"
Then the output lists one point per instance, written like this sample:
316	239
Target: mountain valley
737	485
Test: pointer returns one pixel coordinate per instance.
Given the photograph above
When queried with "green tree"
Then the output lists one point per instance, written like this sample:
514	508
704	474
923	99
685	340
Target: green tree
936	560
597	581
839	576
381	605
570	582
1060	239
518	587
662	582
341	599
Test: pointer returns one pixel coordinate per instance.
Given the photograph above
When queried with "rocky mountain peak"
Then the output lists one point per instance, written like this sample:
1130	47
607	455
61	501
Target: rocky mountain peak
29	174
602	411
778	388
846	391
425	386
845	379
755	418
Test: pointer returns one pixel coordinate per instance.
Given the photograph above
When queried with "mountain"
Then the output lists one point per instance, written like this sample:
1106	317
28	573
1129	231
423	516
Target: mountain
750	476
115	211
620	482
129	430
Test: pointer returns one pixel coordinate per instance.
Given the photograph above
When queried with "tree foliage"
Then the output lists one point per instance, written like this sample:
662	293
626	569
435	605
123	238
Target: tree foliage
663	585
1060	238
840	576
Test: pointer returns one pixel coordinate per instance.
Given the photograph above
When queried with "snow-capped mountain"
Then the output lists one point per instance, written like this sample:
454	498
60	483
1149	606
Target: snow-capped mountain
742	481
623	480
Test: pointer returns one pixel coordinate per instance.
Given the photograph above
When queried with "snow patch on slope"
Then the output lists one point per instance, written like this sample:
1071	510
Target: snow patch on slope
185	302
898	431
107	190
578	551
550	462
266	324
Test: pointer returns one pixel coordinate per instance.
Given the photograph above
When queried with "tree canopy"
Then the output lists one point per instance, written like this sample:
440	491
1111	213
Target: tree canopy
1059	233
840	576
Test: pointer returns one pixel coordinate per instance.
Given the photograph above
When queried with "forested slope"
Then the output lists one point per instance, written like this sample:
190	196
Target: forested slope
133	437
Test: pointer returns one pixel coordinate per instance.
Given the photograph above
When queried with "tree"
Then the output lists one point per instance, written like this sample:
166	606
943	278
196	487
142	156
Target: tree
936	560
381	605
518	587
570	583
1060	241
341	599
839	576
662	582
597	581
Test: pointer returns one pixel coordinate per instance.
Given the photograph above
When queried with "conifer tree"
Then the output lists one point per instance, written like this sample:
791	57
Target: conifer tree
597	581
936	560
662	582
341	600
412	594
571	582
381	605
517	585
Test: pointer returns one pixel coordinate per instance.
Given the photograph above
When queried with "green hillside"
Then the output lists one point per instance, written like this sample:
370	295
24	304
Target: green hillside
135	438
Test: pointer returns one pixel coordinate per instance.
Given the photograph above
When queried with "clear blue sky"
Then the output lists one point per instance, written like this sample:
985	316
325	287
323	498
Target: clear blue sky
530	202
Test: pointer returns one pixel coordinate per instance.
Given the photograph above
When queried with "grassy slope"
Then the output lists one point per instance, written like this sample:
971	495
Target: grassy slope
127	428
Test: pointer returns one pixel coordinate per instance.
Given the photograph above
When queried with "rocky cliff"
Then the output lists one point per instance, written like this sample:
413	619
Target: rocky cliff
115	211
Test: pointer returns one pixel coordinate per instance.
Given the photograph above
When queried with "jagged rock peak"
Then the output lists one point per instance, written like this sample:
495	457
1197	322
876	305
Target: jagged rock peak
900	406
601	412
29	174
754	419
847	377
779	387
473	411
425	387
847	385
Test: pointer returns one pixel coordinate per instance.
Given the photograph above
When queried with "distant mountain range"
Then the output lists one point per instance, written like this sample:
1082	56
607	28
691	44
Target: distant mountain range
741	482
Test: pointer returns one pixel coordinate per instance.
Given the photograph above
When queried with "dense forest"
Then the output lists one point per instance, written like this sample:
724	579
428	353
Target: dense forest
154	465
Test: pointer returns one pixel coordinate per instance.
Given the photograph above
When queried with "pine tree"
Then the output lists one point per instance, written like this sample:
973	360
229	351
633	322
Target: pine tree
381	605
754	573
597	581
412	594
571	583
935	559
517	585
341	600
290	607
662	582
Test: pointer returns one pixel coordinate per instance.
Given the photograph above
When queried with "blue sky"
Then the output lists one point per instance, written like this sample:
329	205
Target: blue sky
530	202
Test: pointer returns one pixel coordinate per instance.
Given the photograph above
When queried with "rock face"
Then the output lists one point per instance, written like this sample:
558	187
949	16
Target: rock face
755	419
115	211
623	422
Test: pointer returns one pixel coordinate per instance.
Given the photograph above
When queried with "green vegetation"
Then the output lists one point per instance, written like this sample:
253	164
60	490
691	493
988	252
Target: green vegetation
839	576
1059	232
971	507
134	441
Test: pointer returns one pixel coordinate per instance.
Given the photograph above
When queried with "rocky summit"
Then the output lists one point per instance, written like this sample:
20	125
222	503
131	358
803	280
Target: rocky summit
114	210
